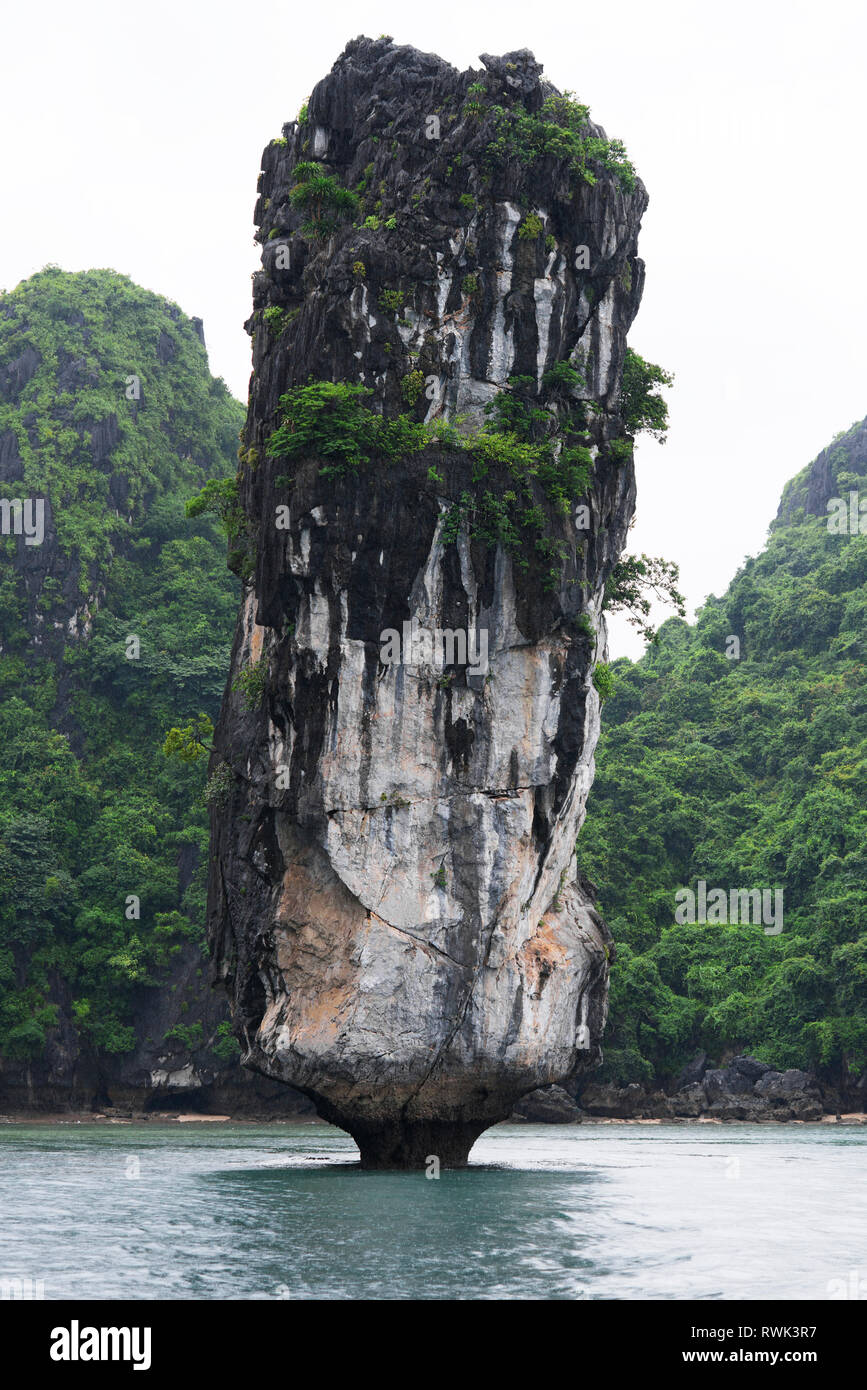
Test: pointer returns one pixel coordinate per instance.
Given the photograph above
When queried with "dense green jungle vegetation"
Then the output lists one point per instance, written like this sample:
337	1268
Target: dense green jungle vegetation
745	771
107	408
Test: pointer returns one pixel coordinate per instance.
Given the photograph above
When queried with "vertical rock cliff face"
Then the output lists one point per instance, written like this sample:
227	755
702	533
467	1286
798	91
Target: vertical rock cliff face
393	902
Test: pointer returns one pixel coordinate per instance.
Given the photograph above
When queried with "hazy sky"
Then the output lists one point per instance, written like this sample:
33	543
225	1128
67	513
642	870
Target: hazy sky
132	137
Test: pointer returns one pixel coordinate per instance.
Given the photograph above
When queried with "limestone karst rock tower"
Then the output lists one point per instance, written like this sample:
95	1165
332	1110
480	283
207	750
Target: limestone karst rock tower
393	902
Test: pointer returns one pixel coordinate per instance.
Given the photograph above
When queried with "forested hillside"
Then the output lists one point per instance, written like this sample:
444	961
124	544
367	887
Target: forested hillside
748	771
113	628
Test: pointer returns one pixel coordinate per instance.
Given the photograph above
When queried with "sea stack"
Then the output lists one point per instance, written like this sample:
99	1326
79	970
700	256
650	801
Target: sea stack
393	905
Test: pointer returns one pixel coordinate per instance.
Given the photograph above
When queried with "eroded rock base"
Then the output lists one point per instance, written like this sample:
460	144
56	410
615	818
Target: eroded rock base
415	1145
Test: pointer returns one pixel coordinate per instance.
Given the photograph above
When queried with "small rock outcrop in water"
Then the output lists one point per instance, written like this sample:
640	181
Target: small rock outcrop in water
394	908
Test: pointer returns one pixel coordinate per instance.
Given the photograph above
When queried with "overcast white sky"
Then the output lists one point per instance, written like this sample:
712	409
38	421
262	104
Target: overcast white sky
132	137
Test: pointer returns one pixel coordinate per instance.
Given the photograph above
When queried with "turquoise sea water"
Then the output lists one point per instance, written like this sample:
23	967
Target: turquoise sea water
282	1211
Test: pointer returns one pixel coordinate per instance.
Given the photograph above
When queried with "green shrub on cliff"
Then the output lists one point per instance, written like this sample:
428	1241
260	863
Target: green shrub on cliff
274	318
390	300
562	377
323	200
560	130
530	228
603	679
331	420
633	585
642	408
412	386
251	683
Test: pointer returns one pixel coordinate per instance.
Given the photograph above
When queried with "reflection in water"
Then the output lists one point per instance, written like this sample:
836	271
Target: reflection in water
577	1212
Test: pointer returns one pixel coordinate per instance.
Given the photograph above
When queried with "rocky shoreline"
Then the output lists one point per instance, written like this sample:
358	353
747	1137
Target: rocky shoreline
125	1117
538	1109
745	1090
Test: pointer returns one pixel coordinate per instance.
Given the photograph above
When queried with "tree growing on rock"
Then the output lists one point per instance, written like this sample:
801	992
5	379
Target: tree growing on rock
323	200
